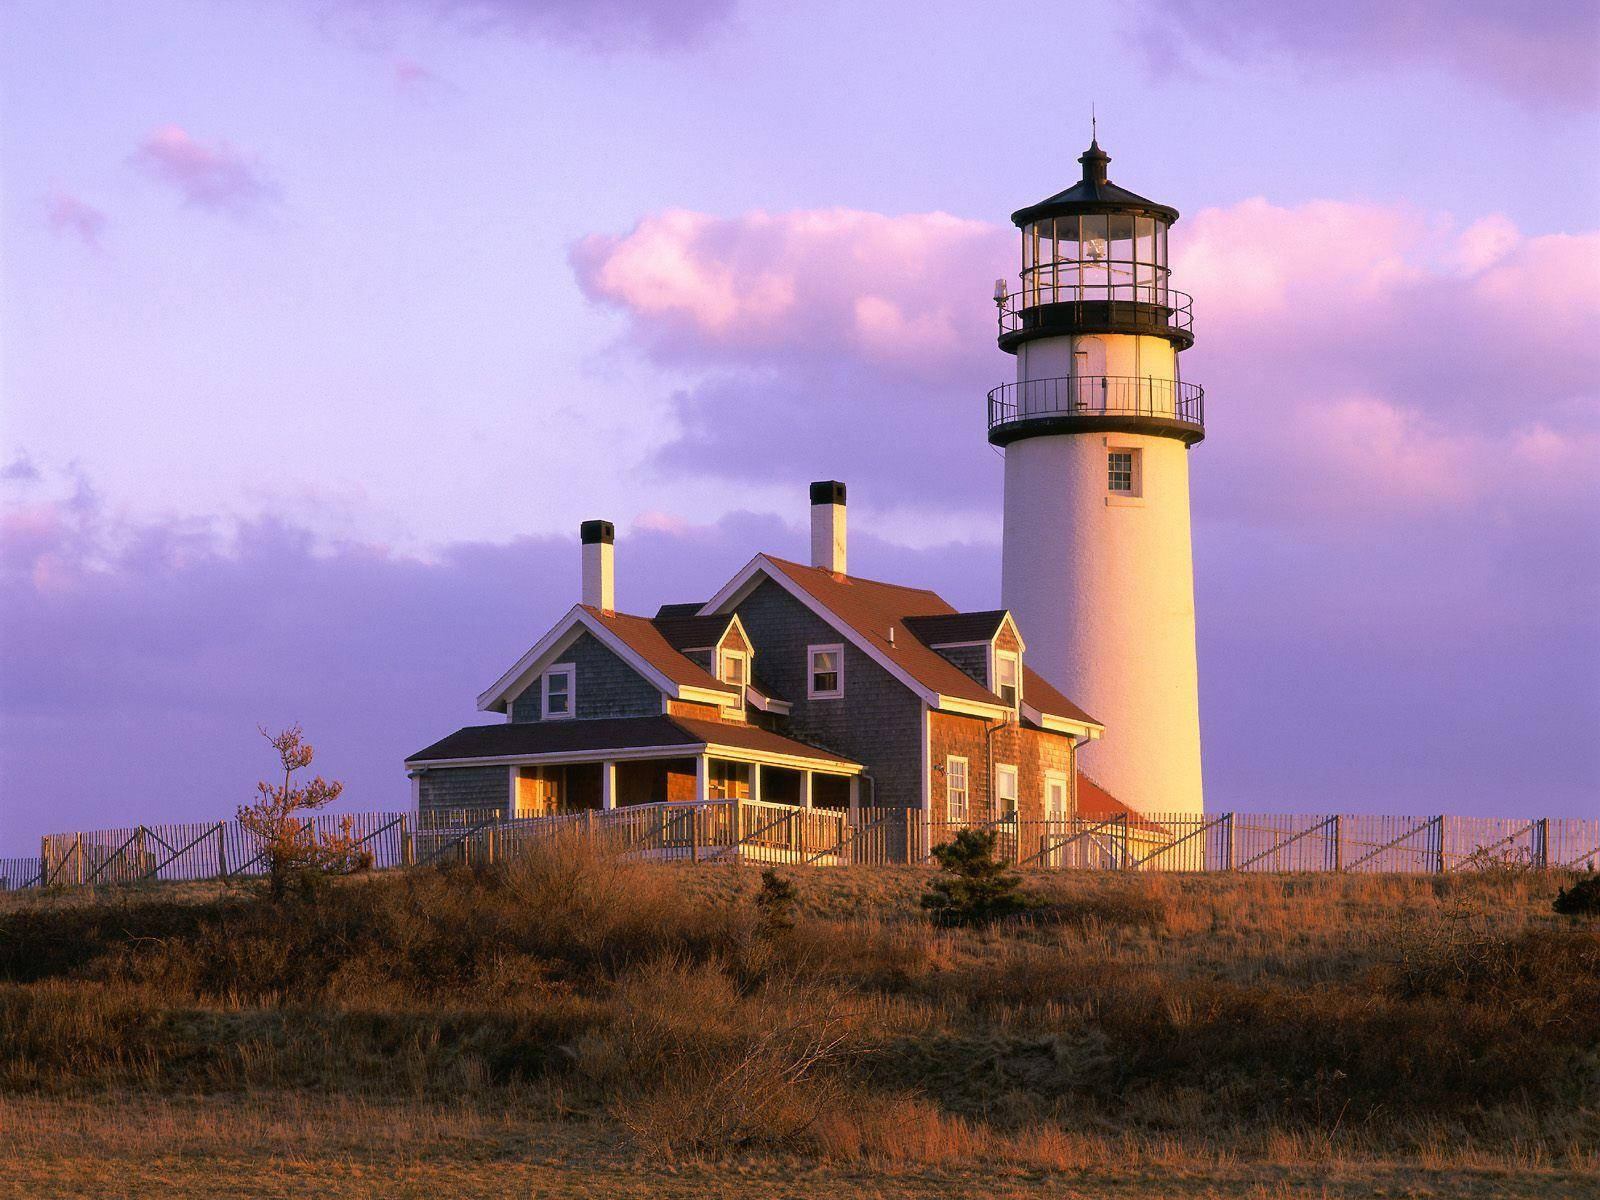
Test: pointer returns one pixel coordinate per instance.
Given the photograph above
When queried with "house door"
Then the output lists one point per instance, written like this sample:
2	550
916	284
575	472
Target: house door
538	792
1056	803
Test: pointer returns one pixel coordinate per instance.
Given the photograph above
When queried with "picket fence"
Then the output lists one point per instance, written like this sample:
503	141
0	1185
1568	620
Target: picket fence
753	831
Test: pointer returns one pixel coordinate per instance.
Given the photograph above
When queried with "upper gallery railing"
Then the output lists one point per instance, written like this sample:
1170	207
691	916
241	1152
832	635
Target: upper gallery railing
1046	301
1098	396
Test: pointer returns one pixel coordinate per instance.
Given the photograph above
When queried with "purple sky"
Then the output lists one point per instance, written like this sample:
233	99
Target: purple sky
325	322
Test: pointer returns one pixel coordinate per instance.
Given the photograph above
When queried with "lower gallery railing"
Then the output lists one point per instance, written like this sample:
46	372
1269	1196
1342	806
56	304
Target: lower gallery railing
757	832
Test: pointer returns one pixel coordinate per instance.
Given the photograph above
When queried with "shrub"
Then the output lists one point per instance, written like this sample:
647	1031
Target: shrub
976	887
776	903
1582	899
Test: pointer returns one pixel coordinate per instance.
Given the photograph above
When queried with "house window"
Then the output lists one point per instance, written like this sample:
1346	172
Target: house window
1055	796
557	691
826	672
1122	472
1005	790
957	794
1007	677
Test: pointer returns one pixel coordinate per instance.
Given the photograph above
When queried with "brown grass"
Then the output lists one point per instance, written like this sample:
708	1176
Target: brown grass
1204	1027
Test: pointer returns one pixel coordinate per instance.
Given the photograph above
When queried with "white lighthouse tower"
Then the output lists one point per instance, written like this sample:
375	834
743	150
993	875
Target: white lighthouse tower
1097	564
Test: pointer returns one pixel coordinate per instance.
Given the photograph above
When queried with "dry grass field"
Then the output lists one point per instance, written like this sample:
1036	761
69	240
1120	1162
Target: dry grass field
571	1025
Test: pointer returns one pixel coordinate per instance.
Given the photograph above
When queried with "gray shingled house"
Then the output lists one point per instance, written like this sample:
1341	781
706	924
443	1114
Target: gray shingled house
793	685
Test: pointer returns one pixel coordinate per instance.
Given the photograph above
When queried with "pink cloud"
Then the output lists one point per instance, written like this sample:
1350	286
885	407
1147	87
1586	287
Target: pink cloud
1540	53
748	287
1370	343
66	214
214	177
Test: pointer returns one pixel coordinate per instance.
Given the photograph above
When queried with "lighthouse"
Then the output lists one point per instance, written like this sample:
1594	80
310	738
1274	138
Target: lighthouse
1097	565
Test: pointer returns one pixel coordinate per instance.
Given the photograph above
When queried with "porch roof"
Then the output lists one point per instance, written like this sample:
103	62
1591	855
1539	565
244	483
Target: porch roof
634	737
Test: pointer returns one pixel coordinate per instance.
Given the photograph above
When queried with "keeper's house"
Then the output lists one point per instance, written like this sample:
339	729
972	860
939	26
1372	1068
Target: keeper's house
793	684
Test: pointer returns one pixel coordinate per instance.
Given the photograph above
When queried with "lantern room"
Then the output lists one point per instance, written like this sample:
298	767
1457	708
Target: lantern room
1094	259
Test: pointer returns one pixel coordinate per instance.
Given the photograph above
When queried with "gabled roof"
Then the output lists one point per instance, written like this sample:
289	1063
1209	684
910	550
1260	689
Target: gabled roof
635	640
867	609
668	734
647	640
951	628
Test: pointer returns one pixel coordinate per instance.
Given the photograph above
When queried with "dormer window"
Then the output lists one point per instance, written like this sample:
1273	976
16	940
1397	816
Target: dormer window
1008	677
735	669
557	691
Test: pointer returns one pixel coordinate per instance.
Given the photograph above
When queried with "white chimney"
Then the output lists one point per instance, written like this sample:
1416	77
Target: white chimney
827	526
599	565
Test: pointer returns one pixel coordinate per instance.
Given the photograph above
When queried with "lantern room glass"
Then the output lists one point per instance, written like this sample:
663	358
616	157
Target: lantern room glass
1095	256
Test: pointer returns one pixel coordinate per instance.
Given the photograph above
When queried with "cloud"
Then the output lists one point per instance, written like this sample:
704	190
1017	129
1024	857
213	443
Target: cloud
861	343
1537	53
596	25
67	215
217	178
1445	665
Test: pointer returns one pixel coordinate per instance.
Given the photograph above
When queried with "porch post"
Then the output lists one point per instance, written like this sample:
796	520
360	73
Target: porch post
702	778
512	788
805	789
755	781
855	799
608	785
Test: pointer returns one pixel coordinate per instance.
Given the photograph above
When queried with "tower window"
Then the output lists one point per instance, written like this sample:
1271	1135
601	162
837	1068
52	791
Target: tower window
1122	472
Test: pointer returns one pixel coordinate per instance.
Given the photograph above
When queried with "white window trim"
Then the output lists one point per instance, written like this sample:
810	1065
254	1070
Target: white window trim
1060	777
994	673
949	788
1134	498
836	648
570	670
1016	778
744	659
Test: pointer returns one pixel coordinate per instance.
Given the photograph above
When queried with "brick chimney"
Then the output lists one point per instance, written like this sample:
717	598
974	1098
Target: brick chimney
599	565
827	526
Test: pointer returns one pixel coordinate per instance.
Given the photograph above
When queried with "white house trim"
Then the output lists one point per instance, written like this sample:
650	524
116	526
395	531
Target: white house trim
570	671
1055	724
823	766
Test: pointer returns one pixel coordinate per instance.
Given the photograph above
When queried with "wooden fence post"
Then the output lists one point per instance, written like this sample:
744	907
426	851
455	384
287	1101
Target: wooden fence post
222	848
694	834
77	850
1438	825
1227	833
1338	844
1541	842
408	844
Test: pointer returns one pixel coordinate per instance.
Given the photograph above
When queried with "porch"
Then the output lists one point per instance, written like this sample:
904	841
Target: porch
728	830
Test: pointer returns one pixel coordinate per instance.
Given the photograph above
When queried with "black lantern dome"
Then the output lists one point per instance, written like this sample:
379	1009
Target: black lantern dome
1094	260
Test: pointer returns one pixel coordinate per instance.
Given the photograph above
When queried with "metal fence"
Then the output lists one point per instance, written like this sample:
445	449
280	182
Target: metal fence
755	831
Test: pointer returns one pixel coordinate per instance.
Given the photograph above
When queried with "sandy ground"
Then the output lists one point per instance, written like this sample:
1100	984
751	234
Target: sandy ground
235	1148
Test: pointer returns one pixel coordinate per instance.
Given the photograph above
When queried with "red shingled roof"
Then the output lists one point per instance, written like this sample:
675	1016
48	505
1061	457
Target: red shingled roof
872	608
649	643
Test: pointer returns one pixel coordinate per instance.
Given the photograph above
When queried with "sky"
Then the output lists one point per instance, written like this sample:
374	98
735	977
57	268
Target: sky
323	323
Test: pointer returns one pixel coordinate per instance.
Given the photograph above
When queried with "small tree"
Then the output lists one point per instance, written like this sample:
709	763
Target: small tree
288	841
976	888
